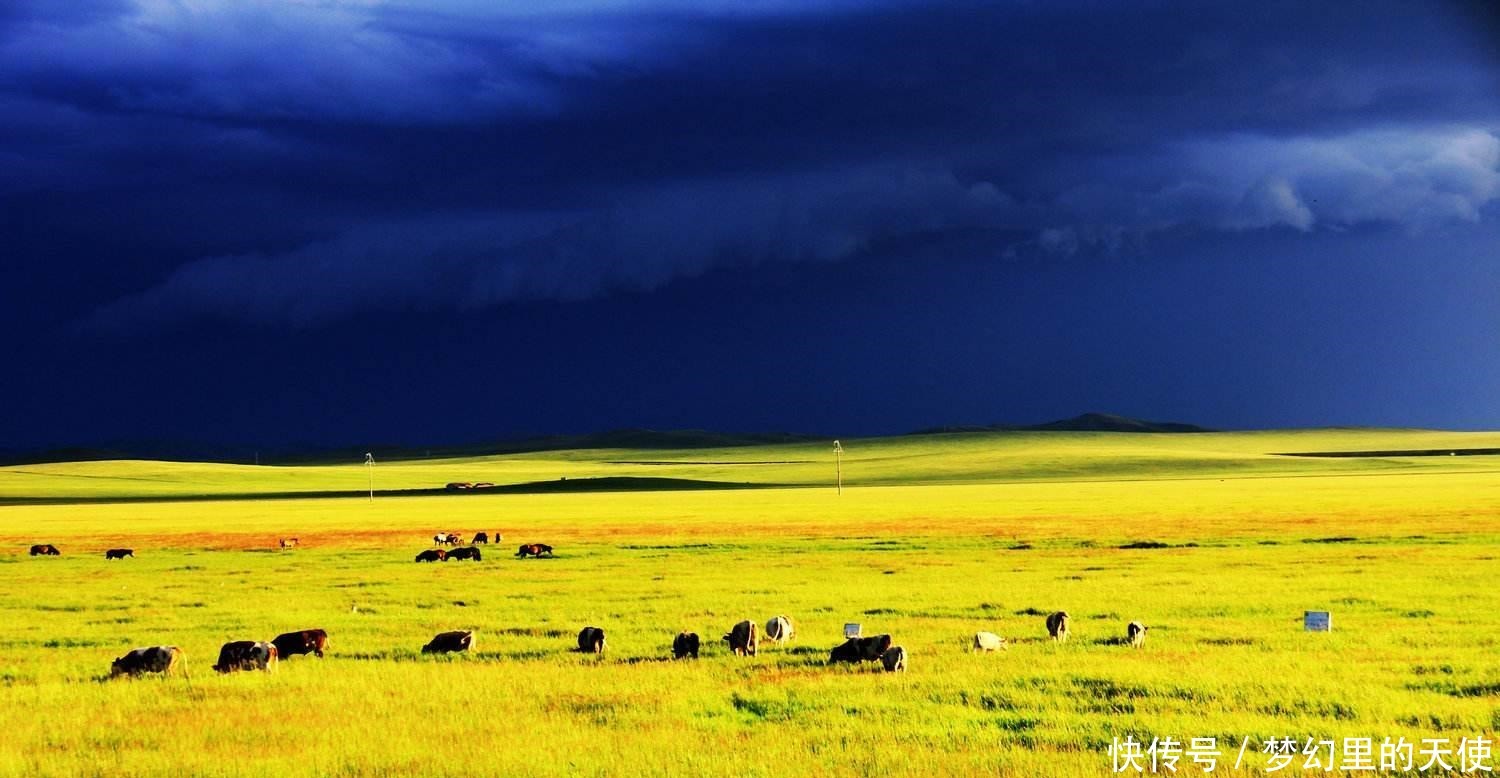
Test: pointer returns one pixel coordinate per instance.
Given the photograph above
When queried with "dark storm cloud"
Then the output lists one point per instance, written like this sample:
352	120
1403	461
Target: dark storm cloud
463	155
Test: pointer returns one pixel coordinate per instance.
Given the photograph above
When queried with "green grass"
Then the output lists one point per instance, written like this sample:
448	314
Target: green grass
986	457
986	532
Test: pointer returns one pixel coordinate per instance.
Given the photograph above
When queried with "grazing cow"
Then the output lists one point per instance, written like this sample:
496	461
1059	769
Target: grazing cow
466	552
119	553
446	539
450	643
45	549
1057	626
779	629
308	641
247	655
894	659
987	641
432	555
457	485
856	650
153	659
685	645
742	639
480	537
290	542
484	485
534	550
591	640
1135	634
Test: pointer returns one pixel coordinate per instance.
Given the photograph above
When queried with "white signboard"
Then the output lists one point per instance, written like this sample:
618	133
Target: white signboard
851	631
1317	621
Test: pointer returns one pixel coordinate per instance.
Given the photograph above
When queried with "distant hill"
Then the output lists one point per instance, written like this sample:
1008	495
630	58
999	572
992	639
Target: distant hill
1088	422
625	438
638	439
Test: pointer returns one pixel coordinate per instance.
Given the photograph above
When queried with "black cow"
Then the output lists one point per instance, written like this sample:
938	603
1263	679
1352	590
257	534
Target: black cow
432	555
685	645
743	639
480	537
466	552
152	659
450	642
308	641
45	549
861	649
247	655
119	553
591	640
534	550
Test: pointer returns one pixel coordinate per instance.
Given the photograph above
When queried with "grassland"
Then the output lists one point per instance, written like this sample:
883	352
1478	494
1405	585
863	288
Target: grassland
934	537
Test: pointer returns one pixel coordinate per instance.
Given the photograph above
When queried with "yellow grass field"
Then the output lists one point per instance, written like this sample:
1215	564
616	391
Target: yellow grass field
934	537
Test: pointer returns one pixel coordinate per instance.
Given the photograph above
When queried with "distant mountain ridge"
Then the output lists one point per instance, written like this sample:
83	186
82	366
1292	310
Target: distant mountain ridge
1087	422
622	438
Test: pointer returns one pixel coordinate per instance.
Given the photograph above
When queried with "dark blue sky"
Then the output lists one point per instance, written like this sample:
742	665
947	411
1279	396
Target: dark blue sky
291	224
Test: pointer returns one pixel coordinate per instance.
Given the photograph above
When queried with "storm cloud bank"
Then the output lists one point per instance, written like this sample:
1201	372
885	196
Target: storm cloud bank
361	157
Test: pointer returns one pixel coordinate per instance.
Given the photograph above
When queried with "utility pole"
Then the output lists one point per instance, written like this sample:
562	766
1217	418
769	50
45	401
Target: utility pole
370	471
838	464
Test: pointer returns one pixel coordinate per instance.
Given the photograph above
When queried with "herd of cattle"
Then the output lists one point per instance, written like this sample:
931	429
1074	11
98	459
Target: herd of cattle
743	638
471	551
47	549
236	655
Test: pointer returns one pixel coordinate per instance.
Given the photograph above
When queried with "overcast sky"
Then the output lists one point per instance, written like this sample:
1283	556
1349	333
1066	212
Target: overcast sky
340	223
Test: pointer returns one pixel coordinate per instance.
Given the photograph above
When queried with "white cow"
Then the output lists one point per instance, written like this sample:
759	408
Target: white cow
988	641
779	629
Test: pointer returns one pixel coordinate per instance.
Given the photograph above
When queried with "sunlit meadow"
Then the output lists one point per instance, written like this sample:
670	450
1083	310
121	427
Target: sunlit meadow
1212	541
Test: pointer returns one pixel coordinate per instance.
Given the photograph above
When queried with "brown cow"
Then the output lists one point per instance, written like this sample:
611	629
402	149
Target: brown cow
308	641
591	640
290	542
856	650
685	645
743	639
432	555
450	642
534	550
119	553
153	659
45	549
247	655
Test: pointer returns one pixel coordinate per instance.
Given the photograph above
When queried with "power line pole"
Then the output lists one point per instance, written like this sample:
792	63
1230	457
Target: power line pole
370	471
838	464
